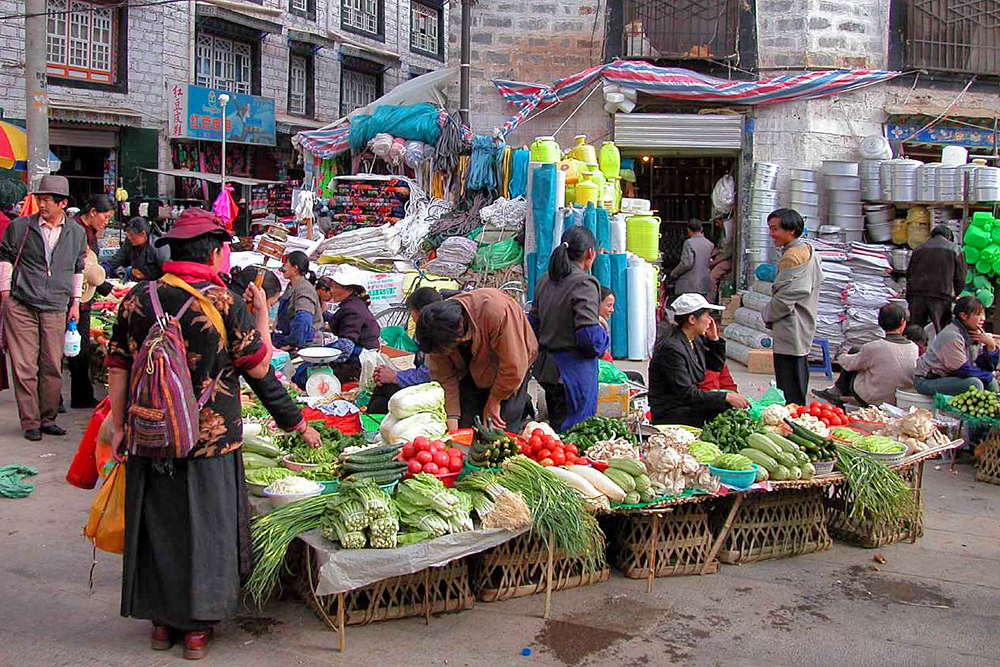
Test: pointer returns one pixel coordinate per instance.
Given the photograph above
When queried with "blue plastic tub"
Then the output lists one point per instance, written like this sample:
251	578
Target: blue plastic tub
738	479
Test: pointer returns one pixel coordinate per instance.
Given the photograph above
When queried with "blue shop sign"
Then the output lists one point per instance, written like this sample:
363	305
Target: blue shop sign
942	134
196	113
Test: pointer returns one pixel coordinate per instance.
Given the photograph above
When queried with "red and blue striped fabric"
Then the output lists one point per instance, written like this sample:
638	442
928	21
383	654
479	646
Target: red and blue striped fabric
686	85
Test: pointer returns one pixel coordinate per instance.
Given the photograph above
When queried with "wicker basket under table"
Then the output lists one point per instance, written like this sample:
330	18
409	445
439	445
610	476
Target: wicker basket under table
782	523
988	458
518	568
869	534
434	590
672	541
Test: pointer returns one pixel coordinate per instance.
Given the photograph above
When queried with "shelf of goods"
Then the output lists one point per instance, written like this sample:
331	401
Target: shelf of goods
518	567
869	534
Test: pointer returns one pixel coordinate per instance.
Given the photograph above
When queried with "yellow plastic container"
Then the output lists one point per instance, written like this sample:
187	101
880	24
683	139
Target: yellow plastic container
545	149
572	169
642	236
610	160
587	192
899	231
583	151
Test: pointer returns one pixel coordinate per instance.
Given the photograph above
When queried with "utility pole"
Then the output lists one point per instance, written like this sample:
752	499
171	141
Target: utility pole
464	82
36	95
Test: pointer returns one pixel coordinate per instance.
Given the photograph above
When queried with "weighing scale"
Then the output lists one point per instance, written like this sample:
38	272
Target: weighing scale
320	382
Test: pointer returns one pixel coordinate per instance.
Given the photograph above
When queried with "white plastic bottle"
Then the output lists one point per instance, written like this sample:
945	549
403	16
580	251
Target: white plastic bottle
71	347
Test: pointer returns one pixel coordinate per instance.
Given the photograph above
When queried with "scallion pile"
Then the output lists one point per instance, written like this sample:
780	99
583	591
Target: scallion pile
880	495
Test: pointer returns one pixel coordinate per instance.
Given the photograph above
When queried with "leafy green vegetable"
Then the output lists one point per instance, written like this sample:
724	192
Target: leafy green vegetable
731	430
592	430
266	476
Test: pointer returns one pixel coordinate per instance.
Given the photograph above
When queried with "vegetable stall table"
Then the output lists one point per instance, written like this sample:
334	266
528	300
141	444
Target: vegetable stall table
360	586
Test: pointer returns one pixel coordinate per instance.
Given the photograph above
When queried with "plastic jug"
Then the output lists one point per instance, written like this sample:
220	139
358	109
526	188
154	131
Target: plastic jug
642	236
583	151
571	168
545	149
610	160
71	345
587	192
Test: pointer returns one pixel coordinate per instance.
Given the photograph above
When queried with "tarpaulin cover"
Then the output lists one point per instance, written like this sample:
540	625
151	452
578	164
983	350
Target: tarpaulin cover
418	122
543	205
619	321
590	218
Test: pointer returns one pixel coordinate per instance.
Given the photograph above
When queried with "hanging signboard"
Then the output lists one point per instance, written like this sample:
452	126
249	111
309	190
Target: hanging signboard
196	113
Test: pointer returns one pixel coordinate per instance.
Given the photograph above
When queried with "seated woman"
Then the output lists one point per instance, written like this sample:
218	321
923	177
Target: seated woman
605	311
299	321
352	323
962	355
679	363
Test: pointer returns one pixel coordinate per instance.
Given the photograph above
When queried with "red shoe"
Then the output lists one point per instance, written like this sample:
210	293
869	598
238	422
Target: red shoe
162	638
196	644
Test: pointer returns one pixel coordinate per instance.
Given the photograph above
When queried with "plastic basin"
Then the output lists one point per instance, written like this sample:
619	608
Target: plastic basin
739	479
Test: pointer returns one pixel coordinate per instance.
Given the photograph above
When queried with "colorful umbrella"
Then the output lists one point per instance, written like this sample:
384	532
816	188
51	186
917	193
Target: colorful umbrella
14	149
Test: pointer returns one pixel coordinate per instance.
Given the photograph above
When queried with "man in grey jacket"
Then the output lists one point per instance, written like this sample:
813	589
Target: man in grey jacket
791	313
41	279
692	273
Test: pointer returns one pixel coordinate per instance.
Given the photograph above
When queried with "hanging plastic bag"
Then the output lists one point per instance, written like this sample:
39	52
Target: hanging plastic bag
772	396
608	373
106	523
83	472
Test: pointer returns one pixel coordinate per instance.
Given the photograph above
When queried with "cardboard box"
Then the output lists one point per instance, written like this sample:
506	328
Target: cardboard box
761	362
612	400
729	314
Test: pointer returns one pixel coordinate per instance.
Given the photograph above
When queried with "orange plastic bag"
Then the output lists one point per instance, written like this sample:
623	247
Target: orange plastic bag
106	524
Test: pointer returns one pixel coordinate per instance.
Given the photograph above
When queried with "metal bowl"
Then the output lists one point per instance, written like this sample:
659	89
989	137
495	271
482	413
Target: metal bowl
810	198
803	174
318	355
798	185
848	222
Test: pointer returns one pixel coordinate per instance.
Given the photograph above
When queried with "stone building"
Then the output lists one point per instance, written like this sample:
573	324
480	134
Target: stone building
116	75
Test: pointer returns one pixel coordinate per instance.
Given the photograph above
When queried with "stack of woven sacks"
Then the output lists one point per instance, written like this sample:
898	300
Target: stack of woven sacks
748	332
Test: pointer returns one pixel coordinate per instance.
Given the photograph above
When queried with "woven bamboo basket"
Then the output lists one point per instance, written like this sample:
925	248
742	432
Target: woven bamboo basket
783	523
517	568
988	458
683	543
871	534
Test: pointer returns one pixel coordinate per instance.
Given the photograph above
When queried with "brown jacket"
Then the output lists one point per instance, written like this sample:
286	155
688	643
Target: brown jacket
503	349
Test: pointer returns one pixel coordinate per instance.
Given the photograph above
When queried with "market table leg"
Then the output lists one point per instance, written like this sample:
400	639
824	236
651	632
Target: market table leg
342	637
652	553
341	623
427	596
723	534
919	488
548	578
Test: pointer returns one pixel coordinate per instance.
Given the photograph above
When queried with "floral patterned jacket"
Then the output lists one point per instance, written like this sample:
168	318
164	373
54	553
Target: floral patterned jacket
221	424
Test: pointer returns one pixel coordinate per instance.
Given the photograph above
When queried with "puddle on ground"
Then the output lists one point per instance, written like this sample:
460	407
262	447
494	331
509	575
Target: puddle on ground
863	583
786	618
258	626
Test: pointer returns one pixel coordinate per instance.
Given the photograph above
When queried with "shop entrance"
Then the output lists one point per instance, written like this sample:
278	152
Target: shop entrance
86	168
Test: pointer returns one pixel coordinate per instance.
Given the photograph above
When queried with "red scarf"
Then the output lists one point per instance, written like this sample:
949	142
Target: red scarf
193	272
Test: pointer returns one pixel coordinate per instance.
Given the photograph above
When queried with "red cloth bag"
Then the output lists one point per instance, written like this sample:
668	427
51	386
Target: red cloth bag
83	471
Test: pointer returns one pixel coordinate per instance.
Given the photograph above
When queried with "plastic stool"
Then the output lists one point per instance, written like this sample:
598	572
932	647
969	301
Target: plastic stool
827	366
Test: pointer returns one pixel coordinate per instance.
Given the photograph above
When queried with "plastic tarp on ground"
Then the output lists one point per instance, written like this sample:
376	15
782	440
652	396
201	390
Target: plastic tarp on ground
342	570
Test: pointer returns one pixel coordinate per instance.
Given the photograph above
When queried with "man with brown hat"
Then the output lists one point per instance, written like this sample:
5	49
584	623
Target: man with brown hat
41	278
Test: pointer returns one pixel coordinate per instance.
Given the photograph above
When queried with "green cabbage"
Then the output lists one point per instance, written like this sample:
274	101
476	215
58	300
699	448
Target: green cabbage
431	425
427	397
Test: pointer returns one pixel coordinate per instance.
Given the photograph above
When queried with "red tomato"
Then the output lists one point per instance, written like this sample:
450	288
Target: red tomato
815	404
549	441
546	462
430	468
454	452
441	459
537	433
816	411
455	464
424	457
570	459
408	451
414	467
544	454
438	446
825	421
526	450
535	440
843	420
572	449
558	457
421	443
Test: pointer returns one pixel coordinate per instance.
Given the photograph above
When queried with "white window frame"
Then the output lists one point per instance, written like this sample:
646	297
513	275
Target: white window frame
299	6
222	63
81	40
361	15
357	89
424	24
298	84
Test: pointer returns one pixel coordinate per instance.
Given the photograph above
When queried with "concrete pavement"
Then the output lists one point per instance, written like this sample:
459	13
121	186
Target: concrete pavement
936	602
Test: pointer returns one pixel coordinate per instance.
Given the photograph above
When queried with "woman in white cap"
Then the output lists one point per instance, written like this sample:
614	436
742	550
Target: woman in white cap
679	363
352	323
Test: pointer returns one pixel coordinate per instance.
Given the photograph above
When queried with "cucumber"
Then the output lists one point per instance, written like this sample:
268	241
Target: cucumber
762	443
642	482
383	449
375	458
387	466
252	460
621	478
632	499
631	466
760	458
647	495
379	476
806	434
796	472
762	475
808	471
801	456
784	443
804	444
781	473
260	446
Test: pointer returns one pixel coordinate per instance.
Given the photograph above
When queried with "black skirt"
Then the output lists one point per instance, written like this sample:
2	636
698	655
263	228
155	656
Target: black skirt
186	540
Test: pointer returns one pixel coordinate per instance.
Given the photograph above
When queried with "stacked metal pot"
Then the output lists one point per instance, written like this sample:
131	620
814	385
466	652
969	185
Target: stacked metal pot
763	200
804	198
843	198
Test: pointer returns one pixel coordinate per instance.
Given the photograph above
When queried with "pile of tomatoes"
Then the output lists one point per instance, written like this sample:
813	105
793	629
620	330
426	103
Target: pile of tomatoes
830	415
433	457
550	451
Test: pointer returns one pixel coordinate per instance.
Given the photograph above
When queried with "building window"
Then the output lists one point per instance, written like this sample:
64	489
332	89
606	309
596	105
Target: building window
223	63
425	28
300	84
81	41
683	30
358	89
954	36
362	16
304	8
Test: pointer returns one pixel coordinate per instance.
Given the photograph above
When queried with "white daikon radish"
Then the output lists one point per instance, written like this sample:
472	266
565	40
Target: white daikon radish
600	481
576	482
252	429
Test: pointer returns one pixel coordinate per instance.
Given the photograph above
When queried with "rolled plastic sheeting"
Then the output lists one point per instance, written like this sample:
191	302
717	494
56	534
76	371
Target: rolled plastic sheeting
619	320
543	206
617	233
761	287
602	270
560	188
530	244
756	340
590	218
558	227
603	230
750	318
756	301
738	351
650	308
532	275
638	302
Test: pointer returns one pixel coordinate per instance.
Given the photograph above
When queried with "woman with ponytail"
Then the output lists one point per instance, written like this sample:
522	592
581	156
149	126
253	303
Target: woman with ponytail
299	319
566	319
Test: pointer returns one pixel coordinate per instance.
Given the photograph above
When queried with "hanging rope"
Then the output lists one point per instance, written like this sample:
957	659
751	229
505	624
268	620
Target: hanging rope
449	145
485	164
519	173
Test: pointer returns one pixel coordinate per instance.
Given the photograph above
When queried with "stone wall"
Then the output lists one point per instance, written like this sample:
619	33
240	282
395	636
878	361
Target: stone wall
822	33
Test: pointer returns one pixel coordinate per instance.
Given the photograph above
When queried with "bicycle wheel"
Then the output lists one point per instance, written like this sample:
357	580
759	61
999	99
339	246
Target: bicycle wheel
394	316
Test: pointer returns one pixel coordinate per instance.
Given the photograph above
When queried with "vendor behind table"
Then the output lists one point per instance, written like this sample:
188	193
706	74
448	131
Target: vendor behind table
299	321
352	323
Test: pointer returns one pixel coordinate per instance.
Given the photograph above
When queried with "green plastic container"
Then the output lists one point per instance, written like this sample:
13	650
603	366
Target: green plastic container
971	254
329	486
977	237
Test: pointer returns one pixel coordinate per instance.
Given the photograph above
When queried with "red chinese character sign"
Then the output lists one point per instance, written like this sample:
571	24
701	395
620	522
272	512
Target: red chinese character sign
196	113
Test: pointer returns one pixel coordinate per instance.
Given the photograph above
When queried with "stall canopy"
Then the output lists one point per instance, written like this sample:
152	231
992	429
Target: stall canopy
682	84
211	178
334	138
